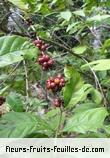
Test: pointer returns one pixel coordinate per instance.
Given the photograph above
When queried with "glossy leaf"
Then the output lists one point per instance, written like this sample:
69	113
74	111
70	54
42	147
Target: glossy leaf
99	65
66	15
20	3
98	17
15	124
15	102
74	83
14	48
79	12
55	118
80	49
88	120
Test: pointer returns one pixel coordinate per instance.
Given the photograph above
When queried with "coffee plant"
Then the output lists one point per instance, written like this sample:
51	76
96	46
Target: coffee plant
54	69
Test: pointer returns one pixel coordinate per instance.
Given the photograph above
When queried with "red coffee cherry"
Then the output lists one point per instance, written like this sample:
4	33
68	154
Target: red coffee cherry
57	102
41	45
48	86
52	85
39	42
45	64
62	80
45	61
46	58
38	45
50	62
57	83
43	48
51	79
40	60
57	80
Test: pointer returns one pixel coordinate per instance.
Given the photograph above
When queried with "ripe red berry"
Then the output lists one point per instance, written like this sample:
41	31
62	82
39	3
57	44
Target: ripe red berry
48	85
45	64
57	80
62	80
50	62
40	60
39	41
51	79
57	102
52	85
43	48
61	84
57	83
38	45
48	81
46	58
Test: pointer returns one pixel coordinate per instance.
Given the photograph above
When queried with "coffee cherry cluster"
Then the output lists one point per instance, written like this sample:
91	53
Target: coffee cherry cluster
55	83
45	61
57	102
41	45
2	100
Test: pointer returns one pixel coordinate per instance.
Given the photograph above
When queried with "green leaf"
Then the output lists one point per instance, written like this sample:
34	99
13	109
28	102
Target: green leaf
88	120
55	118
107	128
106	45
66	15
3	77
52	112
79	12
2	91
86	106
15	102
14	49
20	3
71	26
9	59
74	83
19	125
80	49
78	95
99	65
82	93
96	96
98	17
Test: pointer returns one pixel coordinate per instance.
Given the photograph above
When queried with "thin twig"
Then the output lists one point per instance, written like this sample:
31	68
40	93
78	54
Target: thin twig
95	35
27	83
64	43
11	73
98	83
59	125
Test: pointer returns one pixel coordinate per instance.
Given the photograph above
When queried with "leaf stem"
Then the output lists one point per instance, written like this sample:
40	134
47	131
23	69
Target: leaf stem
27	83
59	125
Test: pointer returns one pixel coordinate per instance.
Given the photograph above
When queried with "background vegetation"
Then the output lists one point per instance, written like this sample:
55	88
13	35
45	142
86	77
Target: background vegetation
54	68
